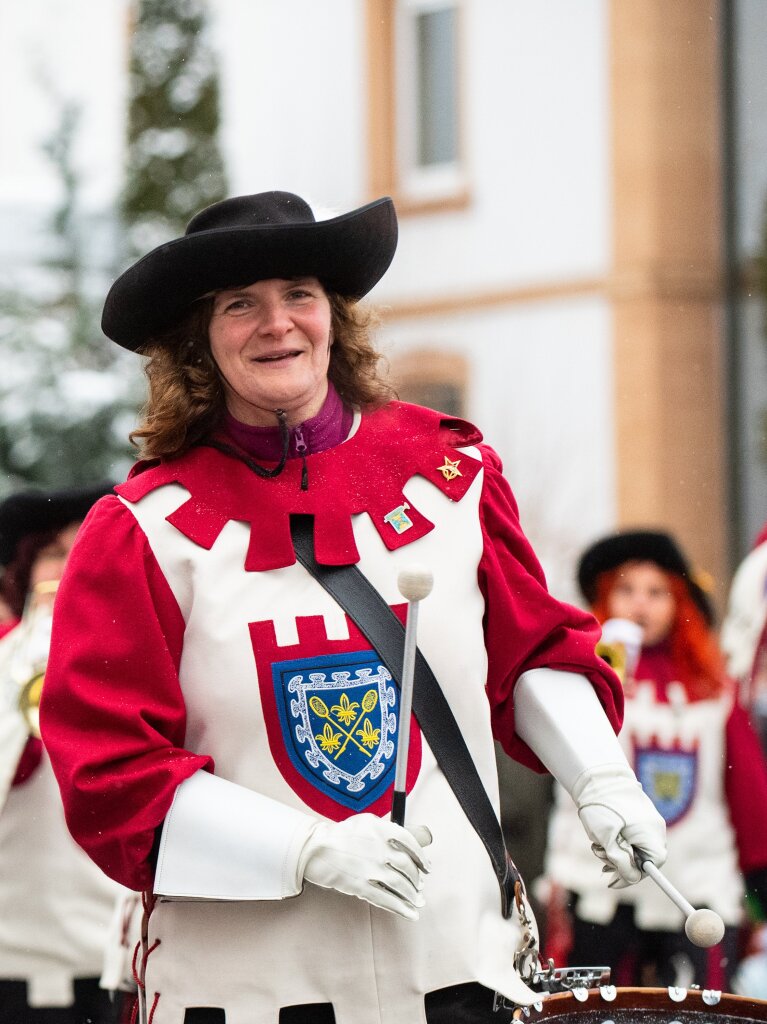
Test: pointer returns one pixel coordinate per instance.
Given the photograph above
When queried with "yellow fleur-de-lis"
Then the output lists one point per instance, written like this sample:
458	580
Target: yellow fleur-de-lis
345	710
328	739
368	734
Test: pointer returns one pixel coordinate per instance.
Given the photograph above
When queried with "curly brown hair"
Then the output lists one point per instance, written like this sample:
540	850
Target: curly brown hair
186	400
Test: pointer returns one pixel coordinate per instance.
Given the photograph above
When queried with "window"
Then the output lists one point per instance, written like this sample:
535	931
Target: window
415	123
432	378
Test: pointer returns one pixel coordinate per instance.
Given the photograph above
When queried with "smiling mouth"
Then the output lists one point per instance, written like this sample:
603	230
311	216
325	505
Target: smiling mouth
277	357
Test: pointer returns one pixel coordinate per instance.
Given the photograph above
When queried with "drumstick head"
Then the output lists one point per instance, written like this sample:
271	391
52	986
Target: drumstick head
415	582
704	928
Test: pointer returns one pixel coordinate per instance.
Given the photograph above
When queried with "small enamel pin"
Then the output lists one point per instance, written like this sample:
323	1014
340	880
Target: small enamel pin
398	518
450	470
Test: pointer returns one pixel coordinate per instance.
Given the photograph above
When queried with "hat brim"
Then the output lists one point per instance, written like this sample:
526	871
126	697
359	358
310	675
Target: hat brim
348	254
638	546
30	512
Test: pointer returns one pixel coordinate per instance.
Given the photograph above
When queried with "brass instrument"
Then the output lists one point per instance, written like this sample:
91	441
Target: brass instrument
28	657
615	656
620	646
29	702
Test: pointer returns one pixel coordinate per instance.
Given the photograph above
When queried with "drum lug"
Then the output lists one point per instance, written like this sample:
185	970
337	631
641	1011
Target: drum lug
567	979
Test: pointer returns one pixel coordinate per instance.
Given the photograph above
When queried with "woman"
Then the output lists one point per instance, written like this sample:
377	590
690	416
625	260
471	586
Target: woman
55	904
241	734
697	757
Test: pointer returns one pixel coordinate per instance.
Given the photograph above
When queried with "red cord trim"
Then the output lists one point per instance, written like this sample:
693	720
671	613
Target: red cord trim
155	1001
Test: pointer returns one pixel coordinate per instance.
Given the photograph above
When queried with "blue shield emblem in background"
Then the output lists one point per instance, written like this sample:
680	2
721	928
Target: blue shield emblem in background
669	778
339	715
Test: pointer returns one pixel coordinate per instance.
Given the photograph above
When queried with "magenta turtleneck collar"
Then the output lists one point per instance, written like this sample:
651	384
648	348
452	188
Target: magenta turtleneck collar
328	428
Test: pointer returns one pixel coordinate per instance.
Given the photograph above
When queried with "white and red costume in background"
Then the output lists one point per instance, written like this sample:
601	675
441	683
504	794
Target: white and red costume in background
701	764
198	622
55	903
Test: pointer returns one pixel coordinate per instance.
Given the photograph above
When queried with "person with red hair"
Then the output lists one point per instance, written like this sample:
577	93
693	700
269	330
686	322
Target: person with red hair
698	758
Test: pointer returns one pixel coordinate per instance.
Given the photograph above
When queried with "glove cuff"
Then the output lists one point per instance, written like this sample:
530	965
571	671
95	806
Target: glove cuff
226	842
595	785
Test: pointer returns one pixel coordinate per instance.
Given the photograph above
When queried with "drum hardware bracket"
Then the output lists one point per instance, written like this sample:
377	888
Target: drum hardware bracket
559	979
565	979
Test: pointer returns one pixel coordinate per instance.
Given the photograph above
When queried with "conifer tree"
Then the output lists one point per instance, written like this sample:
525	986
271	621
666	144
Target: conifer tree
68	398
174	167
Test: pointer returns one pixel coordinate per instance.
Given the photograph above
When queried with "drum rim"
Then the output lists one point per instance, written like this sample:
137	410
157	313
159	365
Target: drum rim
636	997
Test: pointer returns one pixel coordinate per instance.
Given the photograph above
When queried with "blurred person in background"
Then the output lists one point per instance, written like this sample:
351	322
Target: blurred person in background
698	758
744	633
219	730
7	619
55	904
744	644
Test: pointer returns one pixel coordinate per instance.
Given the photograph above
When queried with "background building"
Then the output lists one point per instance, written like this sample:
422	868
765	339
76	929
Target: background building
580	189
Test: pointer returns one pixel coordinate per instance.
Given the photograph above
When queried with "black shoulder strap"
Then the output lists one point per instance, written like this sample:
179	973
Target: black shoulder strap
378	623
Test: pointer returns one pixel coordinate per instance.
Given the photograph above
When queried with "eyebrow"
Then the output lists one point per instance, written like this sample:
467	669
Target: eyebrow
241	289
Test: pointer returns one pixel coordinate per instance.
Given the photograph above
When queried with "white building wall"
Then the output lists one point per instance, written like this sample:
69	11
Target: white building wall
540	389
54	52
536	93
540	373
294	96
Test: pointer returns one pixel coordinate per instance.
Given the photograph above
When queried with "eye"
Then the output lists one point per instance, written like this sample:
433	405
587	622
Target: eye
232	306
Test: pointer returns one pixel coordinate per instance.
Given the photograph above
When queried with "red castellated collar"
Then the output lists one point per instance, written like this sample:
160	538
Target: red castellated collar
367	473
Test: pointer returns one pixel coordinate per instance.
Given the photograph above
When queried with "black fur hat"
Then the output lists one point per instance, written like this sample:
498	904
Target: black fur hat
34	511
639	546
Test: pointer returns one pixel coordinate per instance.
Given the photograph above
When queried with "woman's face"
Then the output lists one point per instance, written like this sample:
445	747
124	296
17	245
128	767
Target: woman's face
49	564
642	594
271	342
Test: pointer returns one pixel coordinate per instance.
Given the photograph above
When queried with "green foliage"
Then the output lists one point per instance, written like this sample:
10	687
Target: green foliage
68	398
174	167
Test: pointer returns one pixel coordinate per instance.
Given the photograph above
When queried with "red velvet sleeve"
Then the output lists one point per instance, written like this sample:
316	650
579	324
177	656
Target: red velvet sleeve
525	627
112	713
745	782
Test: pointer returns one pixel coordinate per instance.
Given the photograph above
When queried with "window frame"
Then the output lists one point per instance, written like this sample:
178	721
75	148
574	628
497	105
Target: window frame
392	106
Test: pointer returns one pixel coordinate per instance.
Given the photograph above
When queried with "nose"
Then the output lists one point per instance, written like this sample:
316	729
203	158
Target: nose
639	606
273	320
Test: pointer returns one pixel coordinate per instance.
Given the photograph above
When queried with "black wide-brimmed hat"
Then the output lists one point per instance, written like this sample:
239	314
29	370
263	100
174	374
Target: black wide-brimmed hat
639	546
31	511
246	239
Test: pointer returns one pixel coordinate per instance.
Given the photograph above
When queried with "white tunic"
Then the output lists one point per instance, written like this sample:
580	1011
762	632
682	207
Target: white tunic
461	935
677	750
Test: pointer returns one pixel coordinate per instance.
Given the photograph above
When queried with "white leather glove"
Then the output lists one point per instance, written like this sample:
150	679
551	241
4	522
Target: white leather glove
619	818
370	858
560	718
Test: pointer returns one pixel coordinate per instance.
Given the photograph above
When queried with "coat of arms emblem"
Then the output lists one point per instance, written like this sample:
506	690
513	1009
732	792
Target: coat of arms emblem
335	720
669	778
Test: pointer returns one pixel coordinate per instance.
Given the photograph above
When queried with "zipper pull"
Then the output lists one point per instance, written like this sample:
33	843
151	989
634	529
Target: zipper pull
301	450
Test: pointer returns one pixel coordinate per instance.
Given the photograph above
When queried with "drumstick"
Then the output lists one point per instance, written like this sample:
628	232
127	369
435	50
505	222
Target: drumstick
414	584
702	927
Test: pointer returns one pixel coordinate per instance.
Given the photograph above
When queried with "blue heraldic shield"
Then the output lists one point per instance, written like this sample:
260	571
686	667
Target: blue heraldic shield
339	716
669	778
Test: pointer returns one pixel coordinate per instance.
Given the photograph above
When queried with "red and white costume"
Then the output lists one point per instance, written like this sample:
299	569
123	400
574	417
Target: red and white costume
701	764
55	903
192	599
